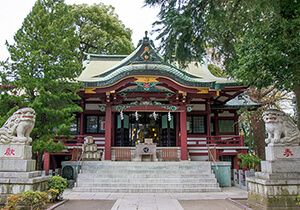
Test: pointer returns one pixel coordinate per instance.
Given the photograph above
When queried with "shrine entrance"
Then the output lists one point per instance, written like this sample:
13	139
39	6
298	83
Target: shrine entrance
133	128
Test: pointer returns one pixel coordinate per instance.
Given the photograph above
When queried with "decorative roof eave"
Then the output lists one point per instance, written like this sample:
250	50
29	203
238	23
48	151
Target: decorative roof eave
154	70
146	61
220	86
241	100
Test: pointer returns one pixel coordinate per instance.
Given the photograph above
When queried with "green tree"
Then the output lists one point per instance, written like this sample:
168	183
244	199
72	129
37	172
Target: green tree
258	40
100	31
46	59
43	66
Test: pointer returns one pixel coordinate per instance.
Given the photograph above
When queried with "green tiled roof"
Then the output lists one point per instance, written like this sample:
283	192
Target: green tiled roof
146	61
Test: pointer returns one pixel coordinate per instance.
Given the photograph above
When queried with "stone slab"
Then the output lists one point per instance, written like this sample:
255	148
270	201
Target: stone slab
16	165
24	180
276	176
17	185
282	152
273	194
11	174
281	166
262	202
278	182
15	151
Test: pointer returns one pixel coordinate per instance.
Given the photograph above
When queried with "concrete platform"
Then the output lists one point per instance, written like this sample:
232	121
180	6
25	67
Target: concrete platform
159	201
227	192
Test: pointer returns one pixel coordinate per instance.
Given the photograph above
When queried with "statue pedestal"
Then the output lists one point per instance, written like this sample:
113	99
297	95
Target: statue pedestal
278	183
15	151
17	171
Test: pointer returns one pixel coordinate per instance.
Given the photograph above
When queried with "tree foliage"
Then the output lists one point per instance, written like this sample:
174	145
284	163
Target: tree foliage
258	40
251	121
100	31
46	58
43	66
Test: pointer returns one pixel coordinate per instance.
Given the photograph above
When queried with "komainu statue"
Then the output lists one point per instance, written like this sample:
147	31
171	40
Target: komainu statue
18	127
280	128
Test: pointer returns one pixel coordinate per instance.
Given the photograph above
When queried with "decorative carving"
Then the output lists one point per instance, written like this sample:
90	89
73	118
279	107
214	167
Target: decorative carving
102	107
280	128
18	127
120	108
147	86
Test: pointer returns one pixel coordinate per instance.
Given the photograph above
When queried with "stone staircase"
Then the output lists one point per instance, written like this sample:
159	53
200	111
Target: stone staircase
146	177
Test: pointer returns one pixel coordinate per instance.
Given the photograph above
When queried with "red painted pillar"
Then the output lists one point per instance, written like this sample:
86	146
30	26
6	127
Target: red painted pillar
216	121
208	120
113	130
236	124
108	114
46	162
81	130
177	129
183	135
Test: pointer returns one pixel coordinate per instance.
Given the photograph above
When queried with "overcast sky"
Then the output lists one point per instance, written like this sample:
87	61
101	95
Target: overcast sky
130	12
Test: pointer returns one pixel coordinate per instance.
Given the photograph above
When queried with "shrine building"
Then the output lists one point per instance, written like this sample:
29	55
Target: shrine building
127	100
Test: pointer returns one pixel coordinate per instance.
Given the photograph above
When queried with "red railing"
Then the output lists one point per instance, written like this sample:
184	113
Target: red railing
224	141
192	141
77	140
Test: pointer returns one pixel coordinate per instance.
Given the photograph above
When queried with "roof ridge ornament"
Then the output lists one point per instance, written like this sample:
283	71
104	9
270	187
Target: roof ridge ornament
146	38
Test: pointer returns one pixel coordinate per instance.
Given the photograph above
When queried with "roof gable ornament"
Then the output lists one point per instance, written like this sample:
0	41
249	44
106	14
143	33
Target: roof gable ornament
147	52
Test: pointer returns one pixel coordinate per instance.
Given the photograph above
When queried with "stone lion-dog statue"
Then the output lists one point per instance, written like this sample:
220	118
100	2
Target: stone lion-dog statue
280	128
18	127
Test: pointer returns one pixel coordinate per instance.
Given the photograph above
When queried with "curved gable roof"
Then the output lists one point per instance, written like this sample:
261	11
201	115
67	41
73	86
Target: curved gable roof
105	70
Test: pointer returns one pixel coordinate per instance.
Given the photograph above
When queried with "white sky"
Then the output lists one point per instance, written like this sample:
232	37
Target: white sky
131	12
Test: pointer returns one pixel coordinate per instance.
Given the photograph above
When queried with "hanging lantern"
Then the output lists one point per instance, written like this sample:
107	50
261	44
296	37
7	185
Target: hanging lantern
121	115
169	116
136	116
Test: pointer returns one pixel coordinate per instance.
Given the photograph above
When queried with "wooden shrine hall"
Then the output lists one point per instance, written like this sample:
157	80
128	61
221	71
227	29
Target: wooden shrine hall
139	99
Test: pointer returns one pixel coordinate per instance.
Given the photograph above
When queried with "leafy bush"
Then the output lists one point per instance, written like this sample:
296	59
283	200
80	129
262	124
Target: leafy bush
249	161
53	194
58	183
12	201
36	200
298	200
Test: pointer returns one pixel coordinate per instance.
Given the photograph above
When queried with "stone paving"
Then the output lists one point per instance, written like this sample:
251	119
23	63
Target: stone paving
87	205
160	201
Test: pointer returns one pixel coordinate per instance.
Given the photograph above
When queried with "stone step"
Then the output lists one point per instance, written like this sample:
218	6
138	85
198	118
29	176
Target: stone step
149	165
148	185
166	172
146	164
152	175
148	180
146	177
146	190
144	168
154	164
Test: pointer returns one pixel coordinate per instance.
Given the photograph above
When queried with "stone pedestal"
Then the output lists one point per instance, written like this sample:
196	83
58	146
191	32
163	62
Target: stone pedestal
145	150
15	151
17	171
278	183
